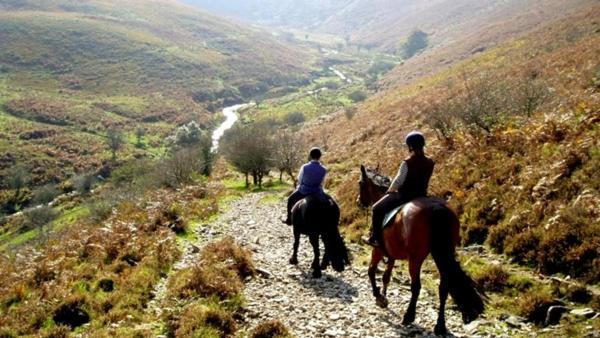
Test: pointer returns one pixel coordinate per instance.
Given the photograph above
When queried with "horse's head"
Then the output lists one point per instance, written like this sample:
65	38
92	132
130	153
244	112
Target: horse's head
372	186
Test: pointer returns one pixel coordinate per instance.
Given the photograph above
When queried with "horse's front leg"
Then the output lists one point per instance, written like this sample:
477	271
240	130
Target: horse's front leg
294	259
387	275
314	241
376	257
414	267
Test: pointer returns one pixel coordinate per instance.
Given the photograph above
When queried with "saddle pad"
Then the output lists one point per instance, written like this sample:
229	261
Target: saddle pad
391	215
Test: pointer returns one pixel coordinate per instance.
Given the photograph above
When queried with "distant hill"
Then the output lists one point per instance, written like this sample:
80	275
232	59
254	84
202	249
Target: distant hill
70	70
385	24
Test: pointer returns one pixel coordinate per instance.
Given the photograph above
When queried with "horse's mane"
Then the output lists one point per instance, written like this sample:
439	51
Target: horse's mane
381	181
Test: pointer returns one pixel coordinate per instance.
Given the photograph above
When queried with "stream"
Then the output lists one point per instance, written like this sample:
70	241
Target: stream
231	118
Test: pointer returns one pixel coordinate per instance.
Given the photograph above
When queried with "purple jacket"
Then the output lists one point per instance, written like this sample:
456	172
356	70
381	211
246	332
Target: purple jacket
311	178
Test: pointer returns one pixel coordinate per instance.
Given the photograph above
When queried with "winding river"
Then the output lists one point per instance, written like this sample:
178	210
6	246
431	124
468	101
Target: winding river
231	118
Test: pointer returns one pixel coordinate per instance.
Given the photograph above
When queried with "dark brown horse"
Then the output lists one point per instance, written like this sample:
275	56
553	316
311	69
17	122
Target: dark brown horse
318	217
425	225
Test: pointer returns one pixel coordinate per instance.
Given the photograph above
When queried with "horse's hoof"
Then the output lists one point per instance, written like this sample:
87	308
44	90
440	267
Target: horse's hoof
316	274
294	261
440	330
382	302
408	319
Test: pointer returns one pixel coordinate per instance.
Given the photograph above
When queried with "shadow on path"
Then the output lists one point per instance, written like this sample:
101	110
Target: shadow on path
328	286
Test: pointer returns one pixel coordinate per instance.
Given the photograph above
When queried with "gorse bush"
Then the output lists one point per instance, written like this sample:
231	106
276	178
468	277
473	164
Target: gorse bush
270	329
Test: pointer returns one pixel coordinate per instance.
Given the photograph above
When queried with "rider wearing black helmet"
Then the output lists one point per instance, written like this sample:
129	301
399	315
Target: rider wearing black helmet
311	179
411	182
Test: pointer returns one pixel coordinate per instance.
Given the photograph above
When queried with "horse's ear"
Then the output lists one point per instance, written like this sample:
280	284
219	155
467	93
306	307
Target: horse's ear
363	171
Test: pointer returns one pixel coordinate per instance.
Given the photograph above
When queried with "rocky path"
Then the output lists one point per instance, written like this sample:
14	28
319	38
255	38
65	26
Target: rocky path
336	305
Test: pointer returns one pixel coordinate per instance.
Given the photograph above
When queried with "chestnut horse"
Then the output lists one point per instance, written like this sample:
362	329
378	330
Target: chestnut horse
424	225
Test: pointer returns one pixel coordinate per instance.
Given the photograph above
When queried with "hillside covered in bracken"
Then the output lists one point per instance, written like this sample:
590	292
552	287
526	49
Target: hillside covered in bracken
514	132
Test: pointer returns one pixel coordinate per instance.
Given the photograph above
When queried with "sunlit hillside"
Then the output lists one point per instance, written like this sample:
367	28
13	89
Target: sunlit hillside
520	169
70	71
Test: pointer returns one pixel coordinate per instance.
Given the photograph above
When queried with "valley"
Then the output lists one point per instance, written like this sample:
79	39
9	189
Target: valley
147	149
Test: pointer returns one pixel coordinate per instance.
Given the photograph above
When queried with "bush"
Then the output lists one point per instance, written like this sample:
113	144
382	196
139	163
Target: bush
358	96
219	273
45	194
493	278
294	118
180	167
38	217
83	184
350	112
523	247
205	321
270	329
534	305
416	42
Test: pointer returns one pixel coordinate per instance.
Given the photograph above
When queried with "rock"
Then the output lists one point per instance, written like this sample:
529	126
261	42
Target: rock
554	314
334	316
583	312
195	249
264	273
514	321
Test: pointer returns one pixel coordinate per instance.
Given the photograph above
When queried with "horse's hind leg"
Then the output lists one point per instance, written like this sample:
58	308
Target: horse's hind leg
294	259
314	241
376	257
414	267
325	260
387	275
440	327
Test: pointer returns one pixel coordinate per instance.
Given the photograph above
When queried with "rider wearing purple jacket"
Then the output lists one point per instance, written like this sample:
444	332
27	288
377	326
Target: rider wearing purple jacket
311	178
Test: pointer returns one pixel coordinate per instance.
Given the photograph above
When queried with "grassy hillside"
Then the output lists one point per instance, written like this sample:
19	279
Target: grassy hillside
527	186
71	70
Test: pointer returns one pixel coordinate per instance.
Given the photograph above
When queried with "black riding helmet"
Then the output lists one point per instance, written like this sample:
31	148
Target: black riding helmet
315	154
415	140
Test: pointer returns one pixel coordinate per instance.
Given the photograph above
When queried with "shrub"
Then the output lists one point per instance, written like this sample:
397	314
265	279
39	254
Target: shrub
358	96
45	194
350	112
270	329
205	321
222	266
83	184
416	42
115	140
493	278
523	247
294	118
38	217
100	209
534	305
180	167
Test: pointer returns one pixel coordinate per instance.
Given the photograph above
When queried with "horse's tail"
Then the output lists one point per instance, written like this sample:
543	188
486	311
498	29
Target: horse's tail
460	286
334	243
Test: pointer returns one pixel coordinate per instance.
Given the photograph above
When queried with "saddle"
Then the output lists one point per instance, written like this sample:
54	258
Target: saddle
390	216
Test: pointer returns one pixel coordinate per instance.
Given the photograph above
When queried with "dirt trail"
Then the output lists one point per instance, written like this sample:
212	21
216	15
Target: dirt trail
336	305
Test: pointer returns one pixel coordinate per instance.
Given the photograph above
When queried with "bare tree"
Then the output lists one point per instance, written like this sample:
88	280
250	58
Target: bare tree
115	141
249	148
139	135
287	154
